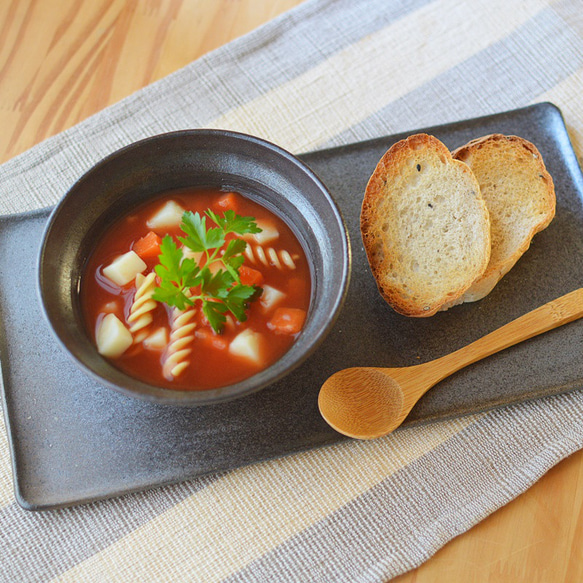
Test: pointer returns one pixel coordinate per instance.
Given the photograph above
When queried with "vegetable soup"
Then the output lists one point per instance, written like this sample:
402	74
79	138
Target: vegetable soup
196	290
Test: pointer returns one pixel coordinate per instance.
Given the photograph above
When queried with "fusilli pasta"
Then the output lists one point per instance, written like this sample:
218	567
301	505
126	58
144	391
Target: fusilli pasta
181	336
281	258
141	311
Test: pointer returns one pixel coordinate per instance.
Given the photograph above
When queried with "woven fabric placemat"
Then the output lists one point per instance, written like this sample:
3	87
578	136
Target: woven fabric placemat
329	72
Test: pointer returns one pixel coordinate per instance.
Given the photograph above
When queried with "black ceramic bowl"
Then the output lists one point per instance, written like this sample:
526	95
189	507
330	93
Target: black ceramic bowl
192	158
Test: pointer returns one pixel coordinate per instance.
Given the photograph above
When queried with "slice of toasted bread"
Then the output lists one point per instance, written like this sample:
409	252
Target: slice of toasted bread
424	226
520	197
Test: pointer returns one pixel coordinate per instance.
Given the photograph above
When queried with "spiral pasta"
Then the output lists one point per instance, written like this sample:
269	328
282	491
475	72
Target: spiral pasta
140	316
281	259
181	336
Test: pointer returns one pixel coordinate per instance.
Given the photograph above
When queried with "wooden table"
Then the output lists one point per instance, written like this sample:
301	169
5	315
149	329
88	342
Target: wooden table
63	60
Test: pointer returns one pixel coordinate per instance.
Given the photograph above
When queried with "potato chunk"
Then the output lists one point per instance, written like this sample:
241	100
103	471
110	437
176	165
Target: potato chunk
268	233
157	340
170	215
247	345
270	297
190	254
112	337
124	268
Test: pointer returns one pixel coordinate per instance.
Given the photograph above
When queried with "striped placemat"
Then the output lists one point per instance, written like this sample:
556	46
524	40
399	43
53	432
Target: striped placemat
327	73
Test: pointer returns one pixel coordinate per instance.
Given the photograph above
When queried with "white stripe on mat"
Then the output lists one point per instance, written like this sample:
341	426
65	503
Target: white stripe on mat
210	535
368	74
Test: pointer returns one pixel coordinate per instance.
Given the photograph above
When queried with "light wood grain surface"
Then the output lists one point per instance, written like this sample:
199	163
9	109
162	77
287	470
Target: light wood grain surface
63	60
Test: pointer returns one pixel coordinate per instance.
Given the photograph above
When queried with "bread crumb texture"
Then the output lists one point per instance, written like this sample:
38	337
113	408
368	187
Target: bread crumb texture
425	226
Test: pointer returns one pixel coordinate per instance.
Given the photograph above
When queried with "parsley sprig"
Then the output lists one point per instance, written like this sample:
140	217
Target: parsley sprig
183	280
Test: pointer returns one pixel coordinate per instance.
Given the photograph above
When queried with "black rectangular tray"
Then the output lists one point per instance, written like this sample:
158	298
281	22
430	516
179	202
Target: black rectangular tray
74	441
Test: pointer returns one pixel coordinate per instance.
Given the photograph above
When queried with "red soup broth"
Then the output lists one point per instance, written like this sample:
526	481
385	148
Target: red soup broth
274	320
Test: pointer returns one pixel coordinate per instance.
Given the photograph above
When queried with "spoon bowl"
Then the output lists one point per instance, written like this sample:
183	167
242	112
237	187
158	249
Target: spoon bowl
357	399
369	402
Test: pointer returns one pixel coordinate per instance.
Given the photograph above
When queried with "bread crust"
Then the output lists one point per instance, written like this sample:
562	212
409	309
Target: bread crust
522	158
393	185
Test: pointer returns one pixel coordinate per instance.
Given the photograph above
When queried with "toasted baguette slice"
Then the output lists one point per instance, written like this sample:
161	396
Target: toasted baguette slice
520	197
424	226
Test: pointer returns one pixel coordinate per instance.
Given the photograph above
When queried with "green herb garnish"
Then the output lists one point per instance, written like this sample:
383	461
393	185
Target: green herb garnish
214	279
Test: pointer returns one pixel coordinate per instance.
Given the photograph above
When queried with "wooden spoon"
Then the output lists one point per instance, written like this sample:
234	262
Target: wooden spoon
368	402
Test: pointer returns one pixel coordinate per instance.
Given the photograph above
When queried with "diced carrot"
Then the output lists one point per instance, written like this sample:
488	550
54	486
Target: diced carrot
148	247
228	201
250	276
287	320
209	338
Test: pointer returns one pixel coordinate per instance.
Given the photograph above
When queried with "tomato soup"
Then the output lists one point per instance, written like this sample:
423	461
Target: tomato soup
195	290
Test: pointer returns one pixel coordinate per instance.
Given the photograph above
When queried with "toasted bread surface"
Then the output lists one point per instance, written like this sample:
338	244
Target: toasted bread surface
520	197
424	226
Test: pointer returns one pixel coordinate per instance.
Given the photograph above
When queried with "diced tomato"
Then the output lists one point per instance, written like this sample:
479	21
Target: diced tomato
250	276
228	201
209	338
148	247
287	320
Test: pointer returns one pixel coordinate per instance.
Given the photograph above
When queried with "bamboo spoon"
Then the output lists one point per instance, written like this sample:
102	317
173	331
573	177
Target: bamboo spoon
368	402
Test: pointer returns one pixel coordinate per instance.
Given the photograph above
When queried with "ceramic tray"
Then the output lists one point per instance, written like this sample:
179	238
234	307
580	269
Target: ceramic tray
74	441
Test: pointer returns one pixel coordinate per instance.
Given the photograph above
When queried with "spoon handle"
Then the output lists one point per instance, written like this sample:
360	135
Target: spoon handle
561	311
